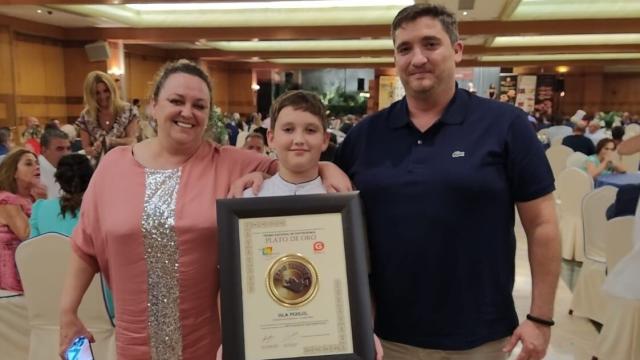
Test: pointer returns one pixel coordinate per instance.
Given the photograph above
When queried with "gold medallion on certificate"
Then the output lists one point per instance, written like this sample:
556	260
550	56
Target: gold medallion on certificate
292	280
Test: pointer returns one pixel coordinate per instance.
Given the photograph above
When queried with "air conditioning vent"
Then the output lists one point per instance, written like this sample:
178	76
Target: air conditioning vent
466	4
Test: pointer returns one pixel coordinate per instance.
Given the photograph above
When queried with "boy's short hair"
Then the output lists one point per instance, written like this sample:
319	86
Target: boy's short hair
306	101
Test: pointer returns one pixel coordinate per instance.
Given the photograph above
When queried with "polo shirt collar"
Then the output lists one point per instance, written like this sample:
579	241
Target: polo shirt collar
454	113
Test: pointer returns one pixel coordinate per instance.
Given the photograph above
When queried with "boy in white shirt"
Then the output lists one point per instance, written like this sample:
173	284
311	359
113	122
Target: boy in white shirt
298	134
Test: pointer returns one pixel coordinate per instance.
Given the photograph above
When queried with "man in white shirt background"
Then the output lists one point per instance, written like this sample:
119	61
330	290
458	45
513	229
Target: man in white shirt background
594	132
55	144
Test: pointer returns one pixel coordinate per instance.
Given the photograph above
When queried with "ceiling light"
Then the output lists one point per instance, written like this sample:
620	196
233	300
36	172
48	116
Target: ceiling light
378	60
465	13
115	71
304	45
39	11
557	40
268	5
561	57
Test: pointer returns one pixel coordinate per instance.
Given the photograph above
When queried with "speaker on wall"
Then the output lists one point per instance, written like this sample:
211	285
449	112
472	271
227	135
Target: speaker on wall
360	84
97	51
559	85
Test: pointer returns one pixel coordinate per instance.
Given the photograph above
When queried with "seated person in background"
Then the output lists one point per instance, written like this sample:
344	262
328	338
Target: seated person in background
558	129
254	141
70	130
5	140
298	134
579	142
31	135
605	161
626	201
55	144
61	215
19	186
627	195
52	124
617	133
594	132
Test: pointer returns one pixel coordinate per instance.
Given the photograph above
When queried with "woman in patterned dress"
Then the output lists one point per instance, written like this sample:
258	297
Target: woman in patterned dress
106	121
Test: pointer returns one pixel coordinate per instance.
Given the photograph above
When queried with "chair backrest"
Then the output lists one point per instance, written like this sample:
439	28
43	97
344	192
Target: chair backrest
594	220
577	160
632	129
42	264
619	239
557	140
557	156
631	162
571	187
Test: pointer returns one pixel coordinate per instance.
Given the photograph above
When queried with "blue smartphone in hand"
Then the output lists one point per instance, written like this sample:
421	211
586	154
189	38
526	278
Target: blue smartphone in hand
80	349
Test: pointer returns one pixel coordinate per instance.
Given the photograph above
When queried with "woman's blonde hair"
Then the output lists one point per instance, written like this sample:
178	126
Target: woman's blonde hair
8	169
90	84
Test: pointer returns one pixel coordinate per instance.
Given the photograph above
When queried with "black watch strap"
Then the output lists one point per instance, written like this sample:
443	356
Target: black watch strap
540	321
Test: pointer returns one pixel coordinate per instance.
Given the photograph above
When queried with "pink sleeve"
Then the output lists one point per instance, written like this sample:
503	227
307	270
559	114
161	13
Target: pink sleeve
7	198
82	238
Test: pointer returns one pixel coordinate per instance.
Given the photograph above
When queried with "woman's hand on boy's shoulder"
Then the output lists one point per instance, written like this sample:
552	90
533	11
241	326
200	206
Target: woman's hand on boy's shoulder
252	180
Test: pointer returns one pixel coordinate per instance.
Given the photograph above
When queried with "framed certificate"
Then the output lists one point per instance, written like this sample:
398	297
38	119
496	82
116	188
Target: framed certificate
293	278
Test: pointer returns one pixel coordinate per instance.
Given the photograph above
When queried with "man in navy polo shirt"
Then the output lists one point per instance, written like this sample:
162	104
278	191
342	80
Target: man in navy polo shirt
439	173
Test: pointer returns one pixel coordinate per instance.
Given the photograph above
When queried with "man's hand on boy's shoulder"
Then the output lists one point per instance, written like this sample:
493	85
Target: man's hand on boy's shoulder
333	178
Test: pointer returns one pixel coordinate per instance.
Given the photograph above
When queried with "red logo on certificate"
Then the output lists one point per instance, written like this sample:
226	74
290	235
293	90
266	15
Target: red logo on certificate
318	246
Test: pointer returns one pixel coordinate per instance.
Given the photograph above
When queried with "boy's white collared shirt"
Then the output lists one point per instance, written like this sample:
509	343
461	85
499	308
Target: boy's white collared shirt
277	186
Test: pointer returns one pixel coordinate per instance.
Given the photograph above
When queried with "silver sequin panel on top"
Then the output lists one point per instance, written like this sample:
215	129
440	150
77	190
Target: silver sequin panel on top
161	255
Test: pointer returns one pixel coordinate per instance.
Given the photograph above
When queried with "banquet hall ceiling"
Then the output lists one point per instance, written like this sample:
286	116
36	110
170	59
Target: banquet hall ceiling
340	32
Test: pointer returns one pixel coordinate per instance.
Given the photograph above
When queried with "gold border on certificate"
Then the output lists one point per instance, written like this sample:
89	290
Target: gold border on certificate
301	261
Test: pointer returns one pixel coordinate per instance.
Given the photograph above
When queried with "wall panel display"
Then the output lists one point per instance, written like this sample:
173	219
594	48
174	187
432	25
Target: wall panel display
390	90
508	87
526	94
544	95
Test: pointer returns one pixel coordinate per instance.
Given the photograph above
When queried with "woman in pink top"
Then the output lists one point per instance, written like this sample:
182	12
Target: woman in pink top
148	223
19	186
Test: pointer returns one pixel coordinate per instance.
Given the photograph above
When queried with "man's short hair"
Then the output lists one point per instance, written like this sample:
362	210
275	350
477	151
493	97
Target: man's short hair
414	12
51	134
302	100
580	128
